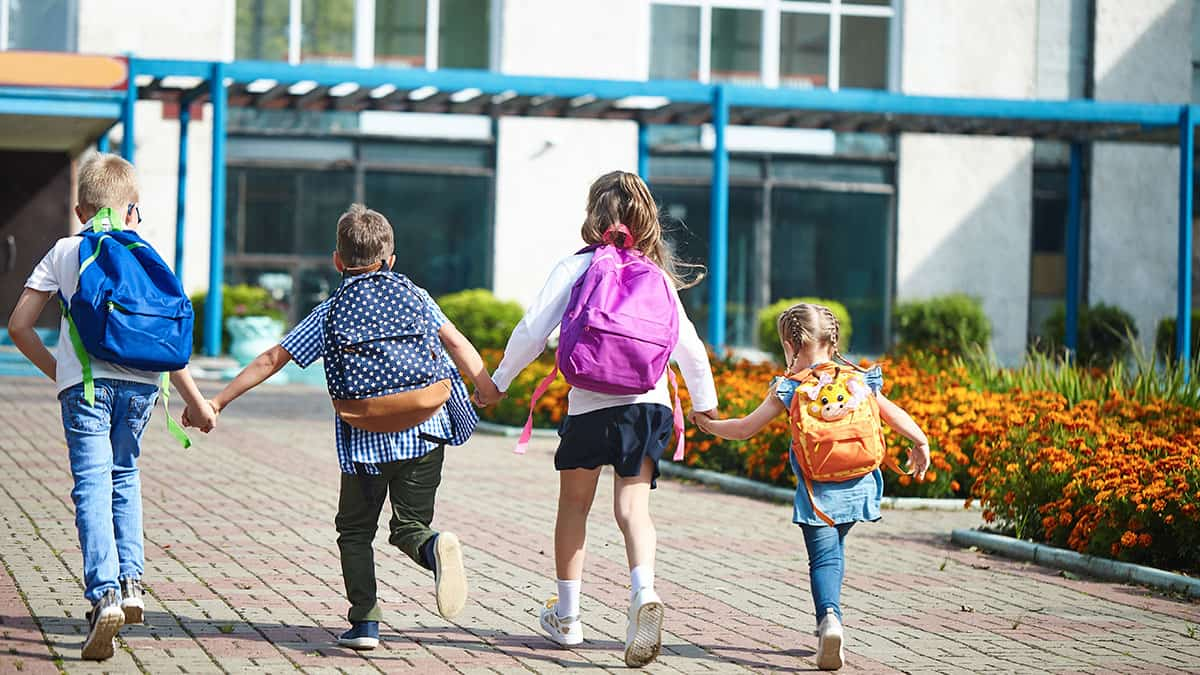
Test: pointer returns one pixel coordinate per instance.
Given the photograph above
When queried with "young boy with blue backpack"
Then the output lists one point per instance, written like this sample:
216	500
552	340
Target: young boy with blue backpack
126	323
390	356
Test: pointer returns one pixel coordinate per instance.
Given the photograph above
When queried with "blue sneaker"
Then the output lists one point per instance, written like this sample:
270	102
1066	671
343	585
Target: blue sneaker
362	635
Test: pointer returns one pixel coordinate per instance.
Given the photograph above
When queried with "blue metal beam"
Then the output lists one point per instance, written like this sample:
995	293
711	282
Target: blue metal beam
718	243
643	158
127	111
102	144
1183	308
104	104
185	115
216	255
1074	243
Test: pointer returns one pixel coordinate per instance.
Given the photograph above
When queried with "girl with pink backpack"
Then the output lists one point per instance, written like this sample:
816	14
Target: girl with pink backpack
621	322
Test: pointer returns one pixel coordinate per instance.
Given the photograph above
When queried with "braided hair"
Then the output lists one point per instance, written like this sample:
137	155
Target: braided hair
807	323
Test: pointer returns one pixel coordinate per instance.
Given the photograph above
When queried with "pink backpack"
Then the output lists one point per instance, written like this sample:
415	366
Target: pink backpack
619	329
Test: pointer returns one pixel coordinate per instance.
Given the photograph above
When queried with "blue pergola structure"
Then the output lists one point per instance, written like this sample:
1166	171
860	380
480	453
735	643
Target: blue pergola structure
324	87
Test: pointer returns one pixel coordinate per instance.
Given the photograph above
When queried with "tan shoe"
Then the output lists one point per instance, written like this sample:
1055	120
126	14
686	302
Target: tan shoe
450	577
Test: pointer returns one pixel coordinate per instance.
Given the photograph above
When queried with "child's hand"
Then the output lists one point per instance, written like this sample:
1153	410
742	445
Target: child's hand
918	460
697	415
703	420
486	394
204	418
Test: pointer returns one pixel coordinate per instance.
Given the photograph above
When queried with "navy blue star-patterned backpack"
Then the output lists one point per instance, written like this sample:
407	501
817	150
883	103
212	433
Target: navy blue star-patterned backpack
384	363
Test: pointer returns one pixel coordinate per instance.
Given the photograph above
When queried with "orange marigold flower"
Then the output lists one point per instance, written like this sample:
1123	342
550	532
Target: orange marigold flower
1144	540
1128	539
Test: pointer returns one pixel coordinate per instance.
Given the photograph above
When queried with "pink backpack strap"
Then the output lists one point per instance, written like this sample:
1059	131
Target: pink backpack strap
678	416
527	432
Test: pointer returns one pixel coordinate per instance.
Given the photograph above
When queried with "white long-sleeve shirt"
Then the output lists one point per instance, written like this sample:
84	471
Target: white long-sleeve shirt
528	341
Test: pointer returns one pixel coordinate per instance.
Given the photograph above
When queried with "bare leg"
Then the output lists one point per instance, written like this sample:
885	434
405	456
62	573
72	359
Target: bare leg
576	490
631	507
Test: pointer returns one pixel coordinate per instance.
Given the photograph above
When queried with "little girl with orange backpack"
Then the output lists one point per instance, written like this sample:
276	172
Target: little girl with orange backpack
835	410
621	320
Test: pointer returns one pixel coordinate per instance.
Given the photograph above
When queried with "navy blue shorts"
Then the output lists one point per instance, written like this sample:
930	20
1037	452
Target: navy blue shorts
621	437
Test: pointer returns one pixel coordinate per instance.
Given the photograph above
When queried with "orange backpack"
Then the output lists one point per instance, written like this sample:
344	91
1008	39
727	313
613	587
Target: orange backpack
836	430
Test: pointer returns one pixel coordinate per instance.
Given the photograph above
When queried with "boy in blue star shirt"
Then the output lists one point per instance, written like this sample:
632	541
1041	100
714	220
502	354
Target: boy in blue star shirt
406	466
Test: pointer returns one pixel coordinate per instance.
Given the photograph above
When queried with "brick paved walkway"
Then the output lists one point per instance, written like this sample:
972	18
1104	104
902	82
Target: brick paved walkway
243	574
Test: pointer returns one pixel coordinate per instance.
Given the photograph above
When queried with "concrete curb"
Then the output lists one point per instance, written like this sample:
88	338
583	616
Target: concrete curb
738	485
1102	568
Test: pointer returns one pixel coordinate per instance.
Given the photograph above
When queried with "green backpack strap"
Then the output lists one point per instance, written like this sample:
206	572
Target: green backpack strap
173	427
85	362
106	214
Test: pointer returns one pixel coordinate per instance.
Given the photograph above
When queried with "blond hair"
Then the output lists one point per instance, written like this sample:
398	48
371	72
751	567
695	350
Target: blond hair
364	237
806	324
107	180
622	198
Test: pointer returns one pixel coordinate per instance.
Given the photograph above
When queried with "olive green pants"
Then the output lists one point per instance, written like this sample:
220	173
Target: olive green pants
411	485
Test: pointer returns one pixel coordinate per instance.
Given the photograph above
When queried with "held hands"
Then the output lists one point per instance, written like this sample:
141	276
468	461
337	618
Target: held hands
918	460
203	418
702	418
486	394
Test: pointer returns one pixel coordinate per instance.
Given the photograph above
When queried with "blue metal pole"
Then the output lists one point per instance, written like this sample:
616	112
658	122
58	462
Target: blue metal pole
216	254
131	95
1183	309
102	144
1074	243
643	166
718	255
185	116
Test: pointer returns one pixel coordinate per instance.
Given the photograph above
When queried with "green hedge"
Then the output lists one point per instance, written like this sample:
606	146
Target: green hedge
240	300
485	320
1164	338
1104	334
768	330
947	323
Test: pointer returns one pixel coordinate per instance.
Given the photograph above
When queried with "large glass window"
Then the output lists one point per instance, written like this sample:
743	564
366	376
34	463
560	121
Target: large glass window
44	25
283	206
414	33
797	227
1048	262
714	40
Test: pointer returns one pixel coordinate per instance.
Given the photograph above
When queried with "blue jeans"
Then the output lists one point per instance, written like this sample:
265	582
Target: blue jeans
826	565
104	441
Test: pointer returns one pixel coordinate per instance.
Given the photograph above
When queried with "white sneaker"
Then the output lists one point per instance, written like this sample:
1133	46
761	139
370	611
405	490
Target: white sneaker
450	577
564	631
829	642
643	636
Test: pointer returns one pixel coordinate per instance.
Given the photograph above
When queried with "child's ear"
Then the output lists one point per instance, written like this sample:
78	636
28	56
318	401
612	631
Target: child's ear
337	262
79	215
392	262
131	215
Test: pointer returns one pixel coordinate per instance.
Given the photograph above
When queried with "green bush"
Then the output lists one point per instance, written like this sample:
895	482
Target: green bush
240	300
485	320
768	331
947	323
1104	334
1164	338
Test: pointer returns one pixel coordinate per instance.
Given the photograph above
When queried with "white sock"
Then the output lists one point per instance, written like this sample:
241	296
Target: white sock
568	598
641	577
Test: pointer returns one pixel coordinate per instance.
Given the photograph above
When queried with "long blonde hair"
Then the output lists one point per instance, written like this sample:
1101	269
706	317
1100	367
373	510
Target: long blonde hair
806	324
622	198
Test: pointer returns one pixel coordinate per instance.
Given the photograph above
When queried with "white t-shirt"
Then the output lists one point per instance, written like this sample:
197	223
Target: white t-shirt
59	271
529	340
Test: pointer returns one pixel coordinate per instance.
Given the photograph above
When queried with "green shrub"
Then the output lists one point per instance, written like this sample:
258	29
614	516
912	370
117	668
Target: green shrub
1164	338
485	320
240	300
768	331
1104	334
947	323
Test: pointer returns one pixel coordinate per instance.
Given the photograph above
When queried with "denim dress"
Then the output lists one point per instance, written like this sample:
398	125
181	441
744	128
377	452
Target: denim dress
850	501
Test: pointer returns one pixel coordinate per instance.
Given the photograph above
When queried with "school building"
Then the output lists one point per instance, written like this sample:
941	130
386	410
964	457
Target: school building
855	211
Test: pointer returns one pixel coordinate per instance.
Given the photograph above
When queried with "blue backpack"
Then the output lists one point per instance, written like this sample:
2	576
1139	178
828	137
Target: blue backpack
385	366
129	310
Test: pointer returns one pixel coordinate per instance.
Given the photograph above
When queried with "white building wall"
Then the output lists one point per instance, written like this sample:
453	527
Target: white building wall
178	30
544	167
965	203
1142	53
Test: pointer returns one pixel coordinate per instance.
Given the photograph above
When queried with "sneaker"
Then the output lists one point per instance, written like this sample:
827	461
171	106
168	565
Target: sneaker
829	642
564	631
131	600
105	619
643	636
363	635
450	578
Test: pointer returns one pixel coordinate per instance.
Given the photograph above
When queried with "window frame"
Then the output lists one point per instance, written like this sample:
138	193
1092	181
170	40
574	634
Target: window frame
364	32
71	33
770	41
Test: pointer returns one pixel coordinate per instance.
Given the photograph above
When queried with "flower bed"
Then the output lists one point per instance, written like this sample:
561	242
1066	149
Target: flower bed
1116	477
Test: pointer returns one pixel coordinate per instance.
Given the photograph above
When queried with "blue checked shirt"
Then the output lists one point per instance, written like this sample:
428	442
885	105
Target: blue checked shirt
306	344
